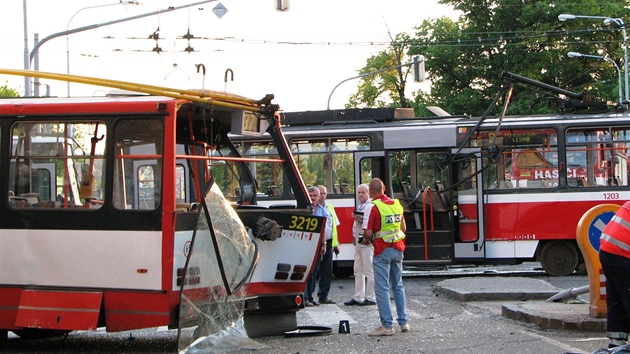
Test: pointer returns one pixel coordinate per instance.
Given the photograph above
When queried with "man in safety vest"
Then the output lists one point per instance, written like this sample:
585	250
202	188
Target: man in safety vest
614	255
384	226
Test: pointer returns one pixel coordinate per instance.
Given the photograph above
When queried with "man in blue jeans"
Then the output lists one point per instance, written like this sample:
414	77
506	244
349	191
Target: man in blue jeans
384	226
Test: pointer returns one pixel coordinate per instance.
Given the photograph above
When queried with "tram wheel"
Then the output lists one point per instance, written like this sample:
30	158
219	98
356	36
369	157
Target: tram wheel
559	258
36	333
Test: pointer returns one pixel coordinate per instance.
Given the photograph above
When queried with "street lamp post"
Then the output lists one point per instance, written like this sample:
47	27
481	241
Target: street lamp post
34	51
602	57
418	67
68	29
609	21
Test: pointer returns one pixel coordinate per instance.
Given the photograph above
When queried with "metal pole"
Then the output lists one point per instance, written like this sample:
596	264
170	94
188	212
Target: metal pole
27	66
68	37
625	59
36	67
607	21
606	58
619	77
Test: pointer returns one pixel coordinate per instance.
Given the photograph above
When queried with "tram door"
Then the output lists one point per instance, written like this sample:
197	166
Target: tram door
428	205
470	217
368	165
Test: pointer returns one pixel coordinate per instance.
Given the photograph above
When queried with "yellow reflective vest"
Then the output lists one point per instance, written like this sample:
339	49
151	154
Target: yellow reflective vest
391	218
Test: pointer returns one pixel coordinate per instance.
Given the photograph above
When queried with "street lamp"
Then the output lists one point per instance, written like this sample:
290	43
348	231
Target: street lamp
609	21
604	57
34	51
68	29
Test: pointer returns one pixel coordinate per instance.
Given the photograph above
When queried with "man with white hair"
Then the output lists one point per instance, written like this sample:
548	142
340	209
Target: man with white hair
363	254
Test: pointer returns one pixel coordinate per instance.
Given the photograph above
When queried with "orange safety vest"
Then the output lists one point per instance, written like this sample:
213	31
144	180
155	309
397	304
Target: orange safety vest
615	237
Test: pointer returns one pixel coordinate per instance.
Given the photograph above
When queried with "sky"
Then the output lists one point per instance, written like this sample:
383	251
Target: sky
299	55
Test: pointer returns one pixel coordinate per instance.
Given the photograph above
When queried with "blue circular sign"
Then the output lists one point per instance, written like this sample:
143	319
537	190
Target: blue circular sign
597	226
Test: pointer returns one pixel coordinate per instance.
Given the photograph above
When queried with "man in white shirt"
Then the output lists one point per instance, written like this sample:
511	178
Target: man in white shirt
363	254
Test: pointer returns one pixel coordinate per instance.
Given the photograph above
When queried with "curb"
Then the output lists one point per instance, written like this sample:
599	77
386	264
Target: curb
531	313
483	289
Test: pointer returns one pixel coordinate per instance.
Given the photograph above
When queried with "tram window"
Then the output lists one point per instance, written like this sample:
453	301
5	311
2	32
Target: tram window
328	162
368	168
180	184
527	158
57	164
146	187
138	164
269	176
597	157
430	169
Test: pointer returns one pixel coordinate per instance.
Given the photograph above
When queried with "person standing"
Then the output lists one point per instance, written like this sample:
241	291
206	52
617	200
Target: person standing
363	254
325	270
614	256
385	227
313	193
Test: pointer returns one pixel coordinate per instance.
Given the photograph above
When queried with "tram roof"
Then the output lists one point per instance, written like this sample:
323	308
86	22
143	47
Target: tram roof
351	118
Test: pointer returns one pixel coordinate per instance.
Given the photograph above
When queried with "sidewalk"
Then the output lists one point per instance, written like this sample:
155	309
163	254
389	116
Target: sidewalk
524	299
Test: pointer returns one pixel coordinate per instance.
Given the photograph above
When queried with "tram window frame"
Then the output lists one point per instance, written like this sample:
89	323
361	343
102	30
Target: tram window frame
143	138
269	176
74	163
605	157
516	146
335	155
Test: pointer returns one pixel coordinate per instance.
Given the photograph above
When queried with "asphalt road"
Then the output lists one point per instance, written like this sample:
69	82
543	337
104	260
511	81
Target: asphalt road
438	325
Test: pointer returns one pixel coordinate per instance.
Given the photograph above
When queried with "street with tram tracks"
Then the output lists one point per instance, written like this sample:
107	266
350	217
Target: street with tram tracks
438	324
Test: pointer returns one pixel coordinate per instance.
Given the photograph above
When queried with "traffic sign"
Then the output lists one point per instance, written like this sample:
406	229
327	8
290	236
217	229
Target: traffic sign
587	234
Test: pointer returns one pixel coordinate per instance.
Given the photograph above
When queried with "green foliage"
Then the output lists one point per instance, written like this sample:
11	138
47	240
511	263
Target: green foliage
5	91
465	58
381	87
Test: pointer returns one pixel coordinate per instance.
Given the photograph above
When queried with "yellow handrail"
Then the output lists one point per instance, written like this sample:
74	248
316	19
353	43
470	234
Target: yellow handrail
201	96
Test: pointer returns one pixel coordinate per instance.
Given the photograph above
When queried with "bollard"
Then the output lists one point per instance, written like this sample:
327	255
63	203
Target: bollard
344	326
587	234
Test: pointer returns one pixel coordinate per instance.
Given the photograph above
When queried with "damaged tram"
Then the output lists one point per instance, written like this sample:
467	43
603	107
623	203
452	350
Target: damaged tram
133	211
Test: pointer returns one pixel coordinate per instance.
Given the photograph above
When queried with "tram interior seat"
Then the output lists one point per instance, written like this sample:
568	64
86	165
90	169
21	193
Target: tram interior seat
32	198
185	207
336	189
411	196
405	189
19	202
45	204
442	196
507	184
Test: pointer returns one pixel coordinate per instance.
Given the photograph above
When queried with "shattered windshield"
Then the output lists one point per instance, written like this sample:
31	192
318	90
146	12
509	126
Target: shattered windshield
221	259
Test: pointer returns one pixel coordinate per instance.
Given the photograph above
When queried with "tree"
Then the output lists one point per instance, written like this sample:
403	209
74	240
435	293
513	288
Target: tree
5	91
465	58
386	88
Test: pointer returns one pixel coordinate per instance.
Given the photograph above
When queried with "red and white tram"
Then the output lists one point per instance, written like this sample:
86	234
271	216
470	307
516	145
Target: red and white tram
105	199
477	191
